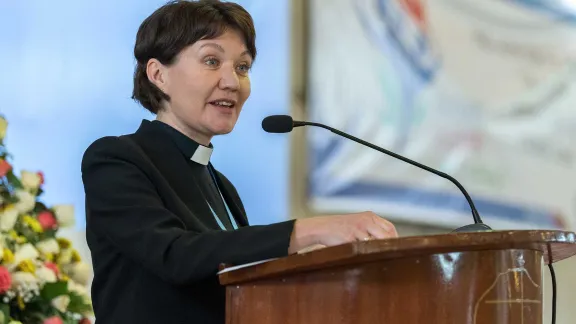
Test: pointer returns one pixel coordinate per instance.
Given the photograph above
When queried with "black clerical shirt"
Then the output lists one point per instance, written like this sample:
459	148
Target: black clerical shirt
198	157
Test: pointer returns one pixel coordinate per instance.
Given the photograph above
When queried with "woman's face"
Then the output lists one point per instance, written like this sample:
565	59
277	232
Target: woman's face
207	84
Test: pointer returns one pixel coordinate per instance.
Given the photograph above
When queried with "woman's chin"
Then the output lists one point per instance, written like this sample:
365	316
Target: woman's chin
220	125
223	129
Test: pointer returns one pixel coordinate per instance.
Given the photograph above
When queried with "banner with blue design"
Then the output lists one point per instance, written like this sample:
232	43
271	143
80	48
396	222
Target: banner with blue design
482	90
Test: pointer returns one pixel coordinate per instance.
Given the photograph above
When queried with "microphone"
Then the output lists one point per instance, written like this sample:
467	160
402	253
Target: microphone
280	124
285	124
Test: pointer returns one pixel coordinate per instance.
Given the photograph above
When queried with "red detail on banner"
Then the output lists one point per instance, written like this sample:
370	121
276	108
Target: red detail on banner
415	9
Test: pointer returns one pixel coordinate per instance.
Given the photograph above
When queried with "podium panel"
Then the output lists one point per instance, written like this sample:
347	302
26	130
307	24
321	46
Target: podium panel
473	278
485	287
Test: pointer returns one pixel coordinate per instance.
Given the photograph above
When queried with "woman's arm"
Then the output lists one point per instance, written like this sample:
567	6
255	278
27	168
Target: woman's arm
124	207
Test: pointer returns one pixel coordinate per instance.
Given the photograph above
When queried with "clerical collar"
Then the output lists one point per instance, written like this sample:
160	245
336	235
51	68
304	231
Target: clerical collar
202	154
191	149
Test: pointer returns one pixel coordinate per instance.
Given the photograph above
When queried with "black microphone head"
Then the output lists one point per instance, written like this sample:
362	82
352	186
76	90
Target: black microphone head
278	124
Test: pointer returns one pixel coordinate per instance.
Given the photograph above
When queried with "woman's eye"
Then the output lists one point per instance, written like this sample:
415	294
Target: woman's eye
244	68
211	62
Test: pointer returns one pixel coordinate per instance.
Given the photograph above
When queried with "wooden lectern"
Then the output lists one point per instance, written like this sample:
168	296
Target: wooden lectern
460	278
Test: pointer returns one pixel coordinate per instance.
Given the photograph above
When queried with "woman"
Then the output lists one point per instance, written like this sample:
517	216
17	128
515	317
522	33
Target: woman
160	218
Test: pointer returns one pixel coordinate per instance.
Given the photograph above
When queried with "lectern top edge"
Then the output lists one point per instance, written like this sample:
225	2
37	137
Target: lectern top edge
555	246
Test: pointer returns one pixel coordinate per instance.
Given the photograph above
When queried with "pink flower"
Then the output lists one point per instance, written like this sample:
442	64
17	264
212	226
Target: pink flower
47	220
53	320
52	267
85	321
41	175
5	280
5	167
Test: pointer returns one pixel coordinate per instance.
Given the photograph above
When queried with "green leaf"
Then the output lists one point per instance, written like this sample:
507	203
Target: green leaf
78	304
11	245
5	309
11	199
69	320
33	317
13	180
22	229
52	290
40	207
50	233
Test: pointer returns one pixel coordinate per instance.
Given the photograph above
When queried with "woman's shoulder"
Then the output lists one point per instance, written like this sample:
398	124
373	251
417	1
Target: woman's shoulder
106	145
111	147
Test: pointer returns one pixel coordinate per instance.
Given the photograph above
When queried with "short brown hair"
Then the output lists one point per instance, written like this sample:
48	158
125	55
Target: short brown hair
176	25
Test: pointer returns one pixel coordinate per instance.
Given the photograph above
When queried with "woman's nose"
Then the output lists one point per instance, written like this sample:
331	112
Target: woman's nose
229	79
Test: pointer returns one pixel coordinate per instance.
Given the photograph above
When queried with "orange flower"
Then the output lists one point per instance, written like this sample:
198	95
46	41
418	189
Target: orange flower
5	167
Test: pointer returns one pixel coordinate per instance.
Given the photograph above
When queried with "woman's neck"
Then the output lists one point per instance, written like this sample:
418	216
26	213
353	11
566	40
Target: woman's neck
177	124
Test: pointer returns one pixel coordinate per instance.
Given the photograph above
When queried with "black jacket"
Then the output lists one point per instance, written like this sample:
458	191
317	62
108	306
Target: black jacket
155	244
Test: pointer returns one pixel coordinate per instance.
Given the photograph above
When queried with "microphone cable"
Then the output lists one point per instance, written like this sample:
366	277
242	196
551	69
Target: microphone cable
553	277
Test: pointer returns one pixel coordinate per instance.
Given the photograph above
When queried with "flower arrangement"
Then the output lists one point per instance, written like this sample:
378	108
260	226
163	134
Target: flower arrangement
42	277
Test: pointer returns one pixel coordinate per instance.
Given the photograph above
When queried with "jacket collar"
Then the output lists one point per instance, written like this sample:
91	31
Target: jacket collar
191	149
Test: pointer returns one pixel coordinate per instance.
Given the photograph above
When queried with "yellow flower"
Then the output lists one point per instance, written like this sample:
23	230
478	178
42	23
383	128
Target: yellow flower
21	302
33	223
3	126
27	266
64	277
76	256
49	257
64	243
13	234
64	257
8	256
18	238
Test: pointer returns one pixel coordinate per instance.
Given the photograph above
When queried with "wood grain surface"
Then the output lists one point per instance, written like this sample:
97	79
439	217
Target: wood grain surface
472	278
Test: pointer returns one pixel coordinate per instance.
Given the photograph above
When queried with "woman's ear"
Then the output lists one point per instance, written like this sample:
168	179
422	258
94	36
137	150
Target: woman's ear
156	73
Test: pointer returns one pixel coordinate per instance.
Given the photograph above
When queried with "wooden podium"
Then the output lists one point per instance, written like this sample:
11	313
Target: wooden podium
460	278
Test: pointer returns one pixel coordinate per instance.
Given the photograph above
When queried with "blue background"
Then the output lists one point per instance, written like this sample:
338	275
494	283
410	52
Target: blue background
67	80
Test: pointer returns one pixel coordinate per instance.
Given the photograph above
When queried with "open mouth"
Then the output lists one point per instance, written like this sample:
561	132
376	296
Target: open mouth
223	103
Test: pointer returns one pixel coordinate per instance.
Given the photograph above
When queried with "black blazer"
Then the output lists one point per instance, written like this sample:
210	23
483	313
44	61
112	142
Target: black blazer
154	242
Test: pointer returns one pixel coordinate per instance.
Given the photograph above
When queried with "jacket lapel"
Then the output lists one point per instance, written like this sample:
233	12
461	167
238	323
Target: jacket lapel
167	157
173	166
233	201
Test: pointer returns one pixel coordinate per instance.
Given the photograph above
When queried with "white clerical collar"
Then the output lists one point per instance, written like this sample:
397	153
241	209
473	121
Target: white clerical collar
202	155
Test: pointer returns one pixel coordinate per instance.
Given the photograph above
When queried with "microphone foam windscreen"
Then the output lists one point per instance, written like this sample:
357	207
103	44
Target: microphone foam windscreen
277	124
